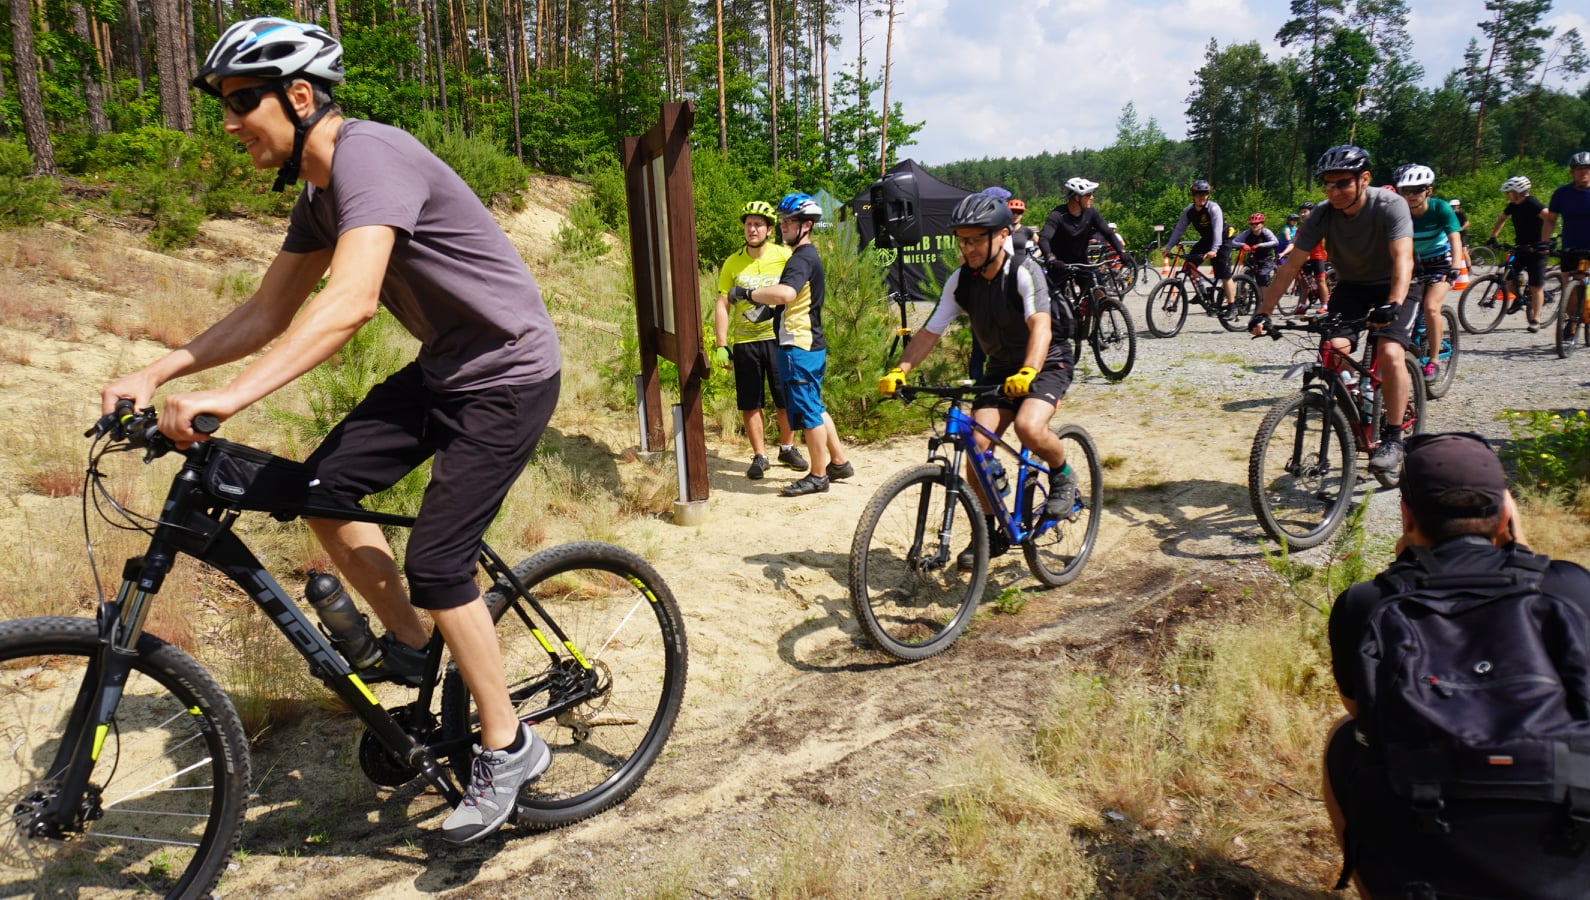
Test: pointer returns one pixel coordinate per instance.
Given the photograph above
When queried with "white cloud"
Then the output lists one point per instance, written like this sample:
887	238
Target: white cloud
1016	79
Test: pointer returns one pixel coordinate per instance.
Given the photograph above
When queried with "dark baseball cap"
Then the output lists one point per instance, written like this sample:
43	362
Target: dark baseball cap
1453	476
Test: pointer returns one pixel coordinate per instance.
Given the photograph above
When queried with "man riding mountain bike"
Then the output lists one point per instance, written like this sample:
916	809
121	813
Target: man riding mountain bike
1066	232
1371	239
1013	319
1205	217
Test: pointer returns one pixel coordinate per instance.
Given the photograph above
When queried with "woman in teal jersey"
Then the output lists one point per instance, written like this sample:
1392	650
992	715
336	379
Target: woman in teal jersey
1437	243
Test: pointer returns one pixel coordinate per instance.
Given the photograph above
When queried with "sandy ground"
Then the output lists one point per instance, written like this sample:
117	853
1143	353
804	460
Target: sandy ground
786	707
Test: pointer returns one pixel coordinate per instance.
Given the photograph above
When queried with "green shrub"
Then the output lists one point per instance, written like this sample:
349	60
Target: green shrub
24	200
1550	452
492	174
583	237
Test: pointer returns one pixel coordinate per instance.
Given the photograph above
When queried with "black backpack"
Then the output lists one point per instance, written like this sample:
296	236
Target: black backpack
1476	686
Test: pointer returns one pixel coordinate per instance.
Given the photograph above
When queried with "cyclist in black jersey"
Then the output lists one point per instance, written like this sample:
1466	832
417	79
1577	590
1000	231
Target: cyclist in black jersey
1205	217
1528	231
1066	232
1012	316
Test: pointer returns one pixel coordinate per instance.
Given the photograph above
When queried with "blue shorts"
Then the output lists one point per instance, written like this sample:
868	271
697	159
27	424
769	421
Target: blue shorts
803	385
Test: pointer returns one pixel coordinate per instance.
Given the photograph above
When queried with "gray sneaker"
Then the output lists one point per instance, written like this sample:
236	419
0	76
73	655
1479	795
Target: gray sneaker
792	458
1063	496
495	777
758	468
840	471
1387	457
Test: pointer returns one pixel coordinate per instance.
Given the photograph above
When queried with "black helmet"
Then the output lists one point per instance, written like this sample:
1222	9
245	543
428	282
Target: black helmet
1307	205
981	211
1200	186
1342	158
1582	158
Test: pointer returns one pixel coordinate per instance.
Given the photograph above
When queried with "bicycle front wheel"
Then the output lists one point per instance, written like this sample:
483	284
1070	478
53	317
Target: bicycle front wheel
1057	549
1114	340
1235	316
1414	417
1445	356
1570	327
1483	305
1167	308
1482	257
1300	473
165	801
907	589
626	656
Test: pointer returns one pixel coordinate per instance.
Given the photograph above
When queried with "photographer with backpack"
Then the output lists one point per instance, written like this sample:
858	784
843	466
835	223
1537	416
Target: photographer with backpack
1462	768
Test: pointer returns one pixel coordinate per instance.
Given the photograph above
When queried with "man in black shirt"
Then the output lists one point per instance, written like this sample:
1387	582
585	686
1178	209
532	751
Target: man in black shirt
1530	256
1456	510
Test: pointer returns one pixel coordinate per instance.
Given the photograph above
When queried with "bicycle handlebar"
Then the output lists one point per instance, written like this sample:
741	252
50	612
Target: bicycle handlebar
908	392
1326	324
140	428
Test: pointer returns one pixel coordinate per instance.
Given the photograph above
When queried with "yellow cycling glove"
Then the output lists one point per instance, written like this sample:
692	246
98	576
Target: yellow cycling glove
1019	383
891	382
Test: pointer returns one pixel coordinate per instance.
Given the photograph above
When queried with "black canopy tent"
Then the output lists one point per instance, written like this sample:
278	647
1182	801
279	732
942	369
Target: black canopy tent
914	209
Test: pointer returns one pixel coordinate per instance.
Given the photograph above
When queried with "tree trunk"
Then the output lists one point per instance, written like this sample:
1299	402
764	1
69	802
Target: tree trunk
135	41
333	21
170	68
439	56
888	52
822	52
772	81
35	129
93	91
723	108
511	69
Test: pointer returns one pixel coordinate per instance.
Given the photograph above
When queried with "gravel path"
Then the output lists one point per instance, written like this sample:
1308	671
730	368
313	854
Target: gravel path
1509	369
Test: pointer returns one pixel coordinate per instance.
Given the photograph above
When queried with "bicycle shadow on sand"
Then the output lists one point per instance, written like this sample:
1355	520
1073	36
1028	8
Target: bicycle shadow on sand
1195	519
830	631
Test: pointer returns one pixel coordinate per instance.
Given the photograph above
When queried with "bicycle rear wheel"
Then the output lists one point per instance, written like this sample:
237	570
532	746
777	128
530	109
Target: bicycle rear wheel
1235	316
167	794
1549	307
1300	473
1570	327
1482	257
1057	549
1167	307
1114	339
1483	305
906	588
621	618
1445	356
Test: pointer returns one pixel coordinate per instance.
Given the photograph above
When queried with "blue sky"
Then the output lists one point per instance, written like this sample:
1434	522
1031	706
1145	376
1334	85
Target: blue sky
1016	79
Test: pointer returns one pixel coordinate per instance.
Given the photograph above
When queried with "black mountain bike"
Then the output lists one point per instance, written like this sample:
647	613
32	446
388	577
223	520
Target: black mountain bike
128	768
906	586
1303	467
1101	318
1169	301
1491	298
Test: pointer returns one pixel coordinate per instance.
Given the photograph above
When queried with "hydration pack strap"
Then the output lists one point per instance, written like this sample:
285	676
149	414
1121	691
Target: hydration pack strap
1572	769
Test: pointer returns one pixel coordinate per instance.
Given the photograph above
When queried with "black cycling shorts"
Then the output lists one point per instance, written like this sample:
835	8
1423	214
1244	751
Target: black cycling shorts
1049	385
1221	261
480	440
1355	300
1532	264
1315	267
756	364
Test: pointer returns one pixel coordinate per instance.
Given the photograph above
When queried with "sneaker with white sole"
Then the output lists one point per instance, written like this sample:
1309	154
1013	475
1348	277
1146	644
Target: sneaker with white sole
495	777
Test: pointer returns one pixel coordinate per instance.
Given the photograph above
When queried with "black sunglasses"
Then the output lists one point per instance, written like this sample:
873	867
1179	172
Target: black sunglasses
1340	184
245	100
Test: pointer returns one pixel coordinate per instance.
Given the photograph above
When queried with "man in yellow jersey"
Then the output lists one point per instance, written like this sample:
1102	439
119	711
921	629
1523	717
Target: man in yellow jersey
802	351
747	342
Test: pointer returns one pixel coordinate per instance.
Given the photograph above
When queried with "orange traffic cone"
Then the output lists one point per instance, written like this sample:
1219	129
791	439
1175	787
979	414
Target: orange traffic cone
1463	277
1164	266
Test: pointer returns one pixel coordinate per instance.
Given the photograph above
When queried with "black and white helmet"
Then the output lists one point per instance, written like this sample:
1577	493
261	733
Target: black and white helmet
272	49
1518	184
981	211
1415	176
1582	158
1342	158
1080	186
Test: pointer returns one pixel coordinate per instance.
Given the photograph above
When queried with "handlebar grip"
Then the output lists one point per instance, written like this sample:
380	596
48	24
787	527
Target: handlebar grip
205	423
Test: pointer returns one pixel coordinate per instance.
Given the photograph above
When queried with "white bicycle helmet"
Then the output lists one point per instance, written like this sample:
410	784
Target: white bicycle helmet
1079	186
1415	176
1518	184
271	48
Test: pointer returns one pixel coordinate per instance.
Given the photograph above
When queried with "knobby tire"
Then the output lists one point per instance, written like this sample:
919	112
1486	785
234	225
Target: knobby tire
1057	549
1299	493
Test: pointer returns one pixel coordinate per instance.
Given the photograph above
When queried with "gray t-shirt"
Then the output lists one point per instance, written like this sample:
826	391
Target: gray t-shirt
1360	247
453	280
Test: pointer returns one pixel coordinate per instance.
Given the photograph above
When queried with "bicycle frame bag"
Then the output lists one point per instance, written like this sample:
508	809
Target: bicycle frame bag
253	479
1476	704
